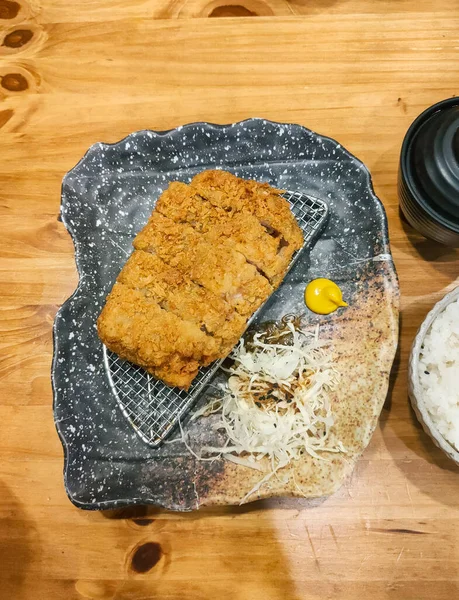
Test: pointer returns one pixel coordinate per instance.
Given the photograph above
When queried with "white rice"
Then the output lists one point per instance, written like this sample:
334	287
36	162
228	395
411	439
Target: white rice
439	372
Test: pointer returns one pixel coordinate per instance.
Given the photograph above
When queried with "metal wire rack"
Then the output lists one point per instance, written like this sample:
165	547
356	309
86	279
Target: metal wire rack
153	408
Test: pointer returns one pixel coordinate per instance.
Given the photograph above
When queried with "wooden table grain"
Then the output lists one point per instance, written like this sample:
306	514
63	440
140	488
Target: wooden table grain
74	73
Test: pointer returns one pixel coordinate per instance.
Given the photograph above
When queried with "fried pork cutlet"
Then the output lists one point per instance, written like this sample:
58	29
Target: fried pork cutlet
218	268
175	292
209	256
229	192
241	230
139	330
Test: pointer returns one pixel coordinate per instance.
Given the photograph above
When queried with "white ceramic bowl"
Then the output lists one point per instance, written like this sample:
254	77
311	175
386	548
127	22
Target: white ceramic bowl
414	387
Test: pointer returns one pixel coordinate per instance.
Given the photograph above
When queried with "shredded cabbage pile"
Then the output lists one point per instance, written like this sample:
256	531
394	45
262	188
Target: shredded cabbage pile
275	405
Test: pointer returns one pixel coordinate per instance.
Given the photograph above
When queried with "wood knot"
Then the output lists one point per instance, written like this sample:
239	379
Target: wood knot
14	82
18	38
8	9
232	10
246	8
146	556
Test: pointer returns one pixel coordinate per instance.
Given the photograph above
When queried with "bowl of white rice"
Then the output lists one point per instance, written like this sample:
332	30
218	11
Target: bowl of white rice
434	374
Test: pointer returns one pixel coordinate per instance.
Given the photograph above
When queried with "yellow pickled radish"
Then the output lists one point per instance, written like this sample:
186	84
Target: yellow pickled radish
323	296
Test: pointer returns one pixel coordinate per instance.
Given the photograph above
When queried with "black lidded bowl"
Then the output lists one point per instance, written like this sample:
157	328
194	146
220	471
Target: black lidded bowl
428	179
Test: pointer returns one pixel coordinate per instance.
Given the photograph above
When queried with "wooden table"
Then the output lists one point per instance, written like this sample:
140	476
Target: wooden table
73	73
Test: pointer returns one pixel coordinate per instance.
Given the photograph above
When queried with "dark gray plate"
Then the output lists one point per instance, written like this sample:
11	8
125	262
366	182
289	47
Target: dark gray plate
106	199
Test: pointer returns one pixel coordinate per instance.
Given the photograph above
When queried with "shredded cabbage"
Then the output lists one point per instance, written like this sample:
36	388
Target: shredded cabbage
275	405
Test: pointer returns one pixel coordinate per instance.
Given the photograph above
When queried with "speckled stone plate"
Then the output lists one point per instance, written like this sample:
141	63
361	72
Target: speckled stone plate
107	198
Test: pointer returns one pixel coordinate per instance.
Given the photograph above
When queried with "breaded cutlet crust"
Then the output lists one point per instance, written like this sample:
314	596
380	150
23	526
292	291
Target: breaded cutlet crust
175	292
241	230
216	267
209	256
259	199
140	331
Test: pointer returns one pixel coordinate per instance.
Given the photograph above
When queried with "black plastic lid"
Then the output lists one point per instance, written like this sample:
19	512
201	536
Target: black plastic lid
430	162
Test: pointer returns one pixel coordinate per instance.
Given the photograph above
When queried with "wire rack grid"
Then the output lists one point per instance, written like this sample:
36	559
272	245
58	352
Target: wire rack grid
153	408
